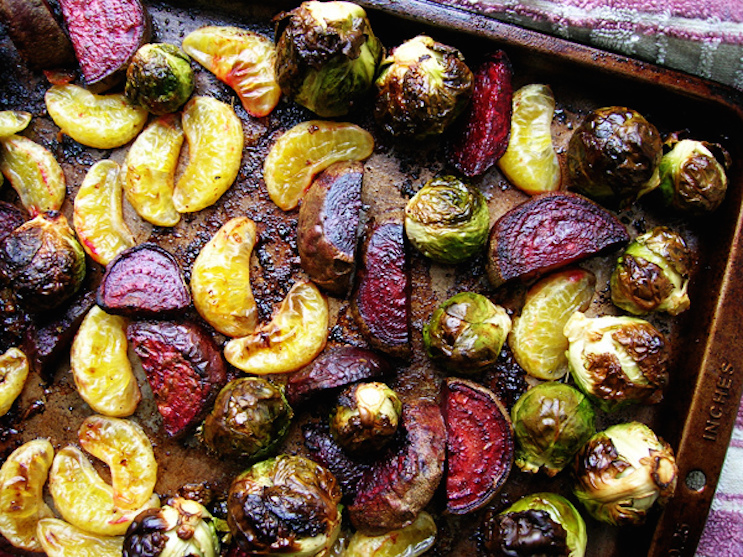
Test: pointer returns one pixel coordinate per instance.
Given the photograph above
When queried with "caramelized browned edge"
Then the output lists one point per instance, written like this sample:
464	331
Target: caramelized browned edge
711	415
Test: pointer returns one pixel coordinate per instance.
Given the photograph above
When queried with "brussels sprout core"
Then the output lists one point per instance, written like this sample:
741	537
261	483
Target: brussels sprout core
180	528
617	360
447	220
613	156
250	417
623	471
653	274
466	333
366	417
287	505
43	262
422	87
692	176
326	55
159	78
551	422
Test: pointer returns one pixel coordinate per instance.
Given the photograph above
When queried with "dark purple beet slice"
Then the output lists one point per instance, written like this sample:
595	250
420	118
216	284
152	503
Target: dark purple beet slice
381	301
184	367
549	231
326	229
105	35
480	445
143	281
336	368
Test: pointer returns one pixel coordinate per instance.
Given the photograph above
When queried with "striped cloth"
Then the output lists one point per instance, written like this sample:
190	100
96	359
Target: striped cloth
700	37
723	533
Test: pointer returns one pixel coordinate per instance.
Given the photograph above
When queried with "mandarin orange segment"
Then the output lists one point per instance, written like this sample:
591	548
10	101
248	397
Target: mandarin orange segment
307	149
60	539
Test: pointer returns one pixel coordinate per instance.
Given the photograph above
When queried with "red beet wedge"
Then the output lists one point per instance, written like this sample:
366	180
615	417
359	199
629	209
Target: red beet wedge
479	445
487	125
143	281
549	231
184	367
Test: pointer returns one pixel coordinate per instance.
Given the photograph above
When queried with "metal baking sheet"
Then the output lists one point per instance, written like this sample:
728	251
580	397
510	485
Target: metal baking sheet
697	414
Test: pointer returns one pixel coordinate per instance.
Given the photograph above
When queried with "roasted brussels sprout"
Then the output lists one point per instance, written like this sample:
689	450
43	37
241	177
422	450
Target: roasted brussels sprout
622	471
551	422
466	333
409	541
365	417
181	528
250	417
43	262
447	220
159	78
617	361
653	274
422	86
692	175
613	156
287	505
538	524
326	55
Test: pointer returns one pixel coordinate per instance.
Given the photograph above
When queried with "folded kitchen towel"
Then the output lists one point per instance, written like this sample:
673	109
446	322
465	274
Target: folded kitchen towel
700	37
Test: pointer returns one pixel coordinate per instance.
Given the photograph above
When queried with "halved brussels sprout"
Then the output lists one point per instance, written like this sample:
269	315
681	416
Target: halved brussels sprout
250	418
159	78
538	524
287	505
409	541
422	86
326	55
692	175
180	528
551	422
447	220
43	261
623	471
365	417
613	156
466	333
653	274
13	374
617	361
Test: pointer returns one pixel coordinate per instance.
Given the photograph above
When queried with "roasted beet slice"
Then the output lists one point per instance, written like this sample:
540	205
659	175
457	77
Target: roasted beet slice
549	231
51	338
36	34
143	281
393	492
336	368
381	301
479	445
487	124
105	35
10	218
184	367
326	229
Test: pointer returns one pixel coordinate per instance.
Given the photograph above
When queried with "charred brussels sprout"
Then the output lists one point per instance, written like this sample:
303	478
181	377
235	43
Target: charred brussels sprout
43	262
182	528
692	175
422	86
538	524
613	156
551	422
326	55
447	220
622	471
159	78
287	505
466	333
365	417
653	274
250	417
617	360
